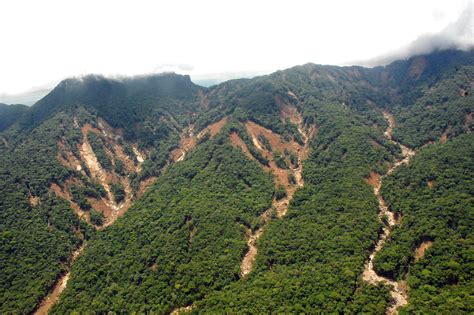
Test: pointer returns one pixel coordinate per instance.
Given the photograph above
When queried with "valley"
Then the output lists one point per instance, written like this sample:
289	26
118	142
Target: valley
399	288
282	178
314	189
107	205
53	296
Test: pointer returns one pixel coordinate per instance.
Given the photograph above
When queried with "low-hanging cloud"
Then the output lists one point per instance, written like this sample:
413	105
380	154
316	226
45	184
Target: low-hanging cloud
457	35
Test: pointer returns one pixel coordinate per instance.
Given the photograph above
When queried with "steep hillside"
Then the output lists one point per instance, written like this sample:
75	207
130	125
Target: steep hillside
62	148
188	231
9	114
432	246
291	192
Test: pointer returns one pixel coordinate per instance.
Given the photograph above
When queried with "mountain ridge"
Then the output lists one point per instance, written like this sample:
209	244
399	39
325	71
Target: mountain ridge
76	161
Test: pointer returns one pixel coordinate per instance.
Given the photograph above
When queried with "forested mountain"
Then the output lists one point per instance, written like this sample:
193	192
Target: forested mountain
9	114
312	189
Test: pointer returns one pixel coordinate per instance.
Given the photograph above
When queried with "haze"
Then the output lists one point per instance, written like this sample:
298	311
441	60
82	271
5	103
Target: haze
46	41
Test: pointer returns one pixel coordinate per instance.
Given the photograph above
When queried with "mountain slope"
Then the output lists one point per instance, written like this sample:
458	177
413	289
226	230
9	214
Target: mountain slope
196	212
44	157
169	186
9	114
433	195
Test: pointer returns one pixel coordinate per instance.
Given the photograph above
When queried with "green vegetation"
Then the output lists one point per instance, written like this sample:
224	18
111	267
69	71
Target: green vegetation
440	282
9	114
119	192
184	239
312	258
292	179
119	168
99	150
79	197
280	193
280	161
293	159
96	217
240	130
369	299
36	241
266	144
90	190
442	108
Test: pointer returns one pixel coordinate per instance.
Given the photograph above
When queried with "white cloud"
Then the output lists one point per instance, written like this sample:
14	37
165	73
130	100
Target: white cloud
457	35
46	41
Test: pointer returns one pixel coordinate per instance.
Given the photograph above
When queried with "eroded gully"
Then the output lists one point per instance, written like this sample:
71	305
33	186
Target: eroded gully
279	206
398	289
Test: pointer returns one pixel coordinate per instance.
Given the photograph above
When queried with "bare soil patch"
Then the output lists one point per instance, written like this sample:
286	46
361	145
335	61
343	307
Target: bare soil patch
287	111
214	128
281	176
276	141
444	136
189	139
63	192
34	201
59	286
67	158
145	184
373	180
420	251
468	122
237	142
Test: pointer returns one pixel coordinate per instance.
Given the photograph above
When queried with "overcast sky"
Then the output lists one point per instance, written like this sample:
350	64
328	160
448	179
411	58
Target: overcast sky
45	41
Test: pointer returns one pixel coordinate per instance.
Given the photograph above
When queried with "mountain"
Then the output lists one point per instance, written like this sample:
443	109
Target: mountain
312	189
9	114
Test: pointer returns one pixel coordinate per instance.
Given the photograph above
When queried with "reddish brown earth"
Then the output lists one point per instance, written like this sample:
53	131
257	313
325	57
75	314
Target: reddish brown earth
420	251
189	139
107	205
373	180
276	141
63	192
145	184
279	207
237	142
126	160
186	143
214	128
444	136
287	111
104	178
67	158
